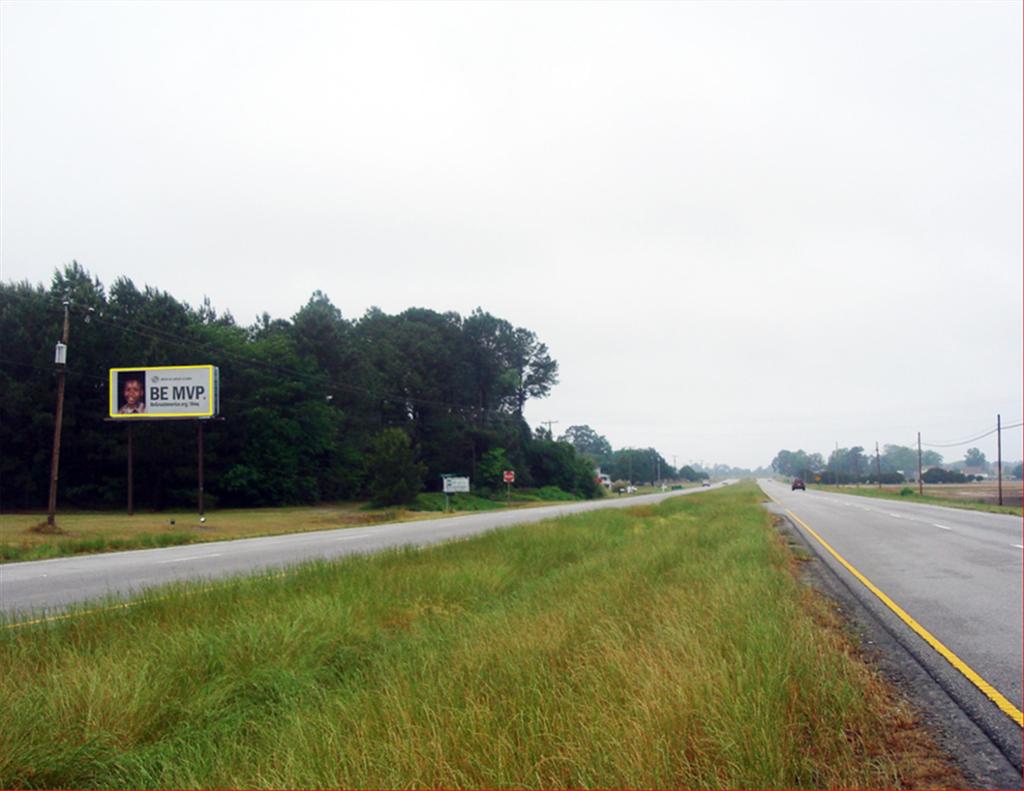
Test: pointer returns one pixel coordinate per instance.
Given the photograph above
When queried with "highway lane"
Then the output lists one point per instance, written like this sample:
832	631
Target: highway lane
958	573
33	587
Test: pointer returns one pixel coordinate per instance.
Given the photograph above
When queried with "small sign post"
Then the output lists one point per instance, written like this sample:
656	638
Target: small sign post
452	485
510	478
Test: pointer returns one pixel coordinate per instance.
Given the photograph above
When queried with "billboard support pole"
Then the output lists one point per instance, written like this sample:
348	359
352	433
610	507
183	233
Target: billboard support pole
131	477
200	439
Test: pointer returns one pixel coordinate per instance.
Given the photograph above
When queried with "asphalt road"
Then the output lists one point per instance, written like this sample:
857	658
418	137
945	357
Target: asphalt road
955	572
46	586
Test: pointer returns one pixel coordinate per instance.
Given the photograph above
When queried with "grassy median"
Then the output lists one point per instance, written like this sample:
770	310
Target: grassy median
665	646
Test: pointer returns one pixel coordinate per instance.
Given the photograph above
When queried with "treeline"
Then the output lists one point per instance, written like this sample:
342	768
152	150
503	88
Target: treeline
634	465
317	407
645	465
895	463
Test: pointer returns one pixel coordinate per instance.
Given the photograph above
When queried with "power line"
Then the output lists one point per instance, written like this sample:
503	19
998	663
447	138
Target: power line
972	439
959	441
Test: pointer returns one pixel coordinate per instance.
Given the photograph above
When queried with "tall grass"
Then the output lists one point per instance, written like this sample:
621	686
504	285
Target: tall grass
652	647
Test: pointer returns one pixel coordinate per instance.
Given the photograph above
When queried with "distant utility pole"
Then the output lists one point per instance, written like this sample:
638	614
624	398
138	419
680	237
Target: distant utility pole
60	358
999	455
878	466
548	423
920	483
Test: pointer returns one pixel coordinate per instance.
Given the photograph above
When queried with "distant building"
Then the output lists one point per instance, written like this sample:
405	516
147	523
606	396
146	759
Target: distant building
602	479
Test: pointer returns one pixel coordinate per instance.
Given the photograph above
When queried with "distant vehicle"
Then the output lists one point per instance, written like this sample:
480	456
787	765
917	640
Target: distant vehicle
798	483
705	483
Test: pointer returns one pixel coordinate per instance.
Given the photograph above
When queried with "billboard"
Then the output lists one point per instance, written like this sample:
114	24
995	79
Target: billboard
168	391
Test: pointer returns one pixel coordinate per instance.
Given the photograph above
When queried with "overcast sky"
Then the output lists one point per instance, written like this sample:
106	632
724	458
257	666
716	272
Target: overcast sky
739	227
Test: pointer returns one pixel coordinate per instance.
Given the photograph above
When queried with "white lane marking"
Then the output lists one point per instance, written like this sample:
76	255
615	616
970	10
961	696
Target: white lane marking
941	527
190	557
895	516
1019	546
349	538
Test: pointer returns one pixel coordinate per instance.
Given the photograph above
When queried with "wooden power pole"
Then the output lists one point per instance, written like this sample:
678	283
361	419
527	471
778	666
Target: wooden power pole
999	455
61	360
920	482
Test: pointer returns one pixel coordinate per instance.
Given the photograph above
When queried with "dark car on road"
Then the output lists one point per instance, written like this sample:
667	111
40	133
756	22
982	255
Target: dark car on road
798	483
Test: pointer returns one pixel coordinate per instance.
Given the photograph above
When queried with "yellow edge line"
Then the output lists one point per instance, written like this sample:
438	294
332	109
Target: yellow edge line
989	691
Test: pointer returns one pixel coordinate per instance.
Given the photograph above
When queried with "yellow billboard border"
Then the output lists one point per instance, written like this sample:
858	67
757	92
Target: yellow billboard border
112	398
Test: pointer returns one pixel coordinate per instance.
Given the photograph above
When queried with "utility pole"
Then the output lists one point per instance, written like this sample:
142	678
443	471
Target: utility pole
878	466
920	483
60	358
548	423
999	455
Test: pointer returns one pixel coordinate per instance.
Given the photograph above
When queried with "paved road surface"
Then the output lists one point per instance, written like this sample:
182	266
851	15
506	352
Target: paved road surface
49	585
957	573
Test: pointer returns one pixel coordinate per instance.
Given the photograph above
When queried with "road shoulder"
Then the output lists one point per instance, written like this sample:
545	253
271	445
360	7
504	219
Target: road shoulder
984	762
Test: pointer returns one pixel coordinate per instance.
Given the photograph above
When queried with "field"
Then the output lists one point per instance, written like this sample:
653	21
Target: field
650	647
978	496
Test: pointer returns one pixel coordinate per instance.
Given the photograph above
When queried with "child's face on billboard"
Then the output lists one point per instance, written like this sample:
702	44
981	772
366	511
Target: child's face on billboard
132	392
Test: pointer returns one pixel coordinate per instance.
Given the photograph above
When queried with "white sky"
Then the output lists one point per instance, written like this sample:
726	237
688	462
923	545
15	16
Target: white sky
739	227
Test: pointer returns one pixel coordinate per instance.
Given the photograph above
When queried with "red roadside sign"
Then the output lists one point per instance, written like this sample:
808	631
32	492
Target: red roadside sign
509	476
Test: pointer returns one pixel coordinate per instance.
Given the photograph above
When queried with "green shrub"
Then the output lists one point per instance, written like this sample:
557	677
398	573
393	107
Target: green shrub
553	493
394	473
906	491
434	501
489	472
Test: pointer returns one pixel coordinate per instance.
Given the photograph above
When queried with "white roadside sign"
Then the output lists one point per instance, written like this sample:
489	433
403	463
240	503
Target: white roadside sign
453	485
